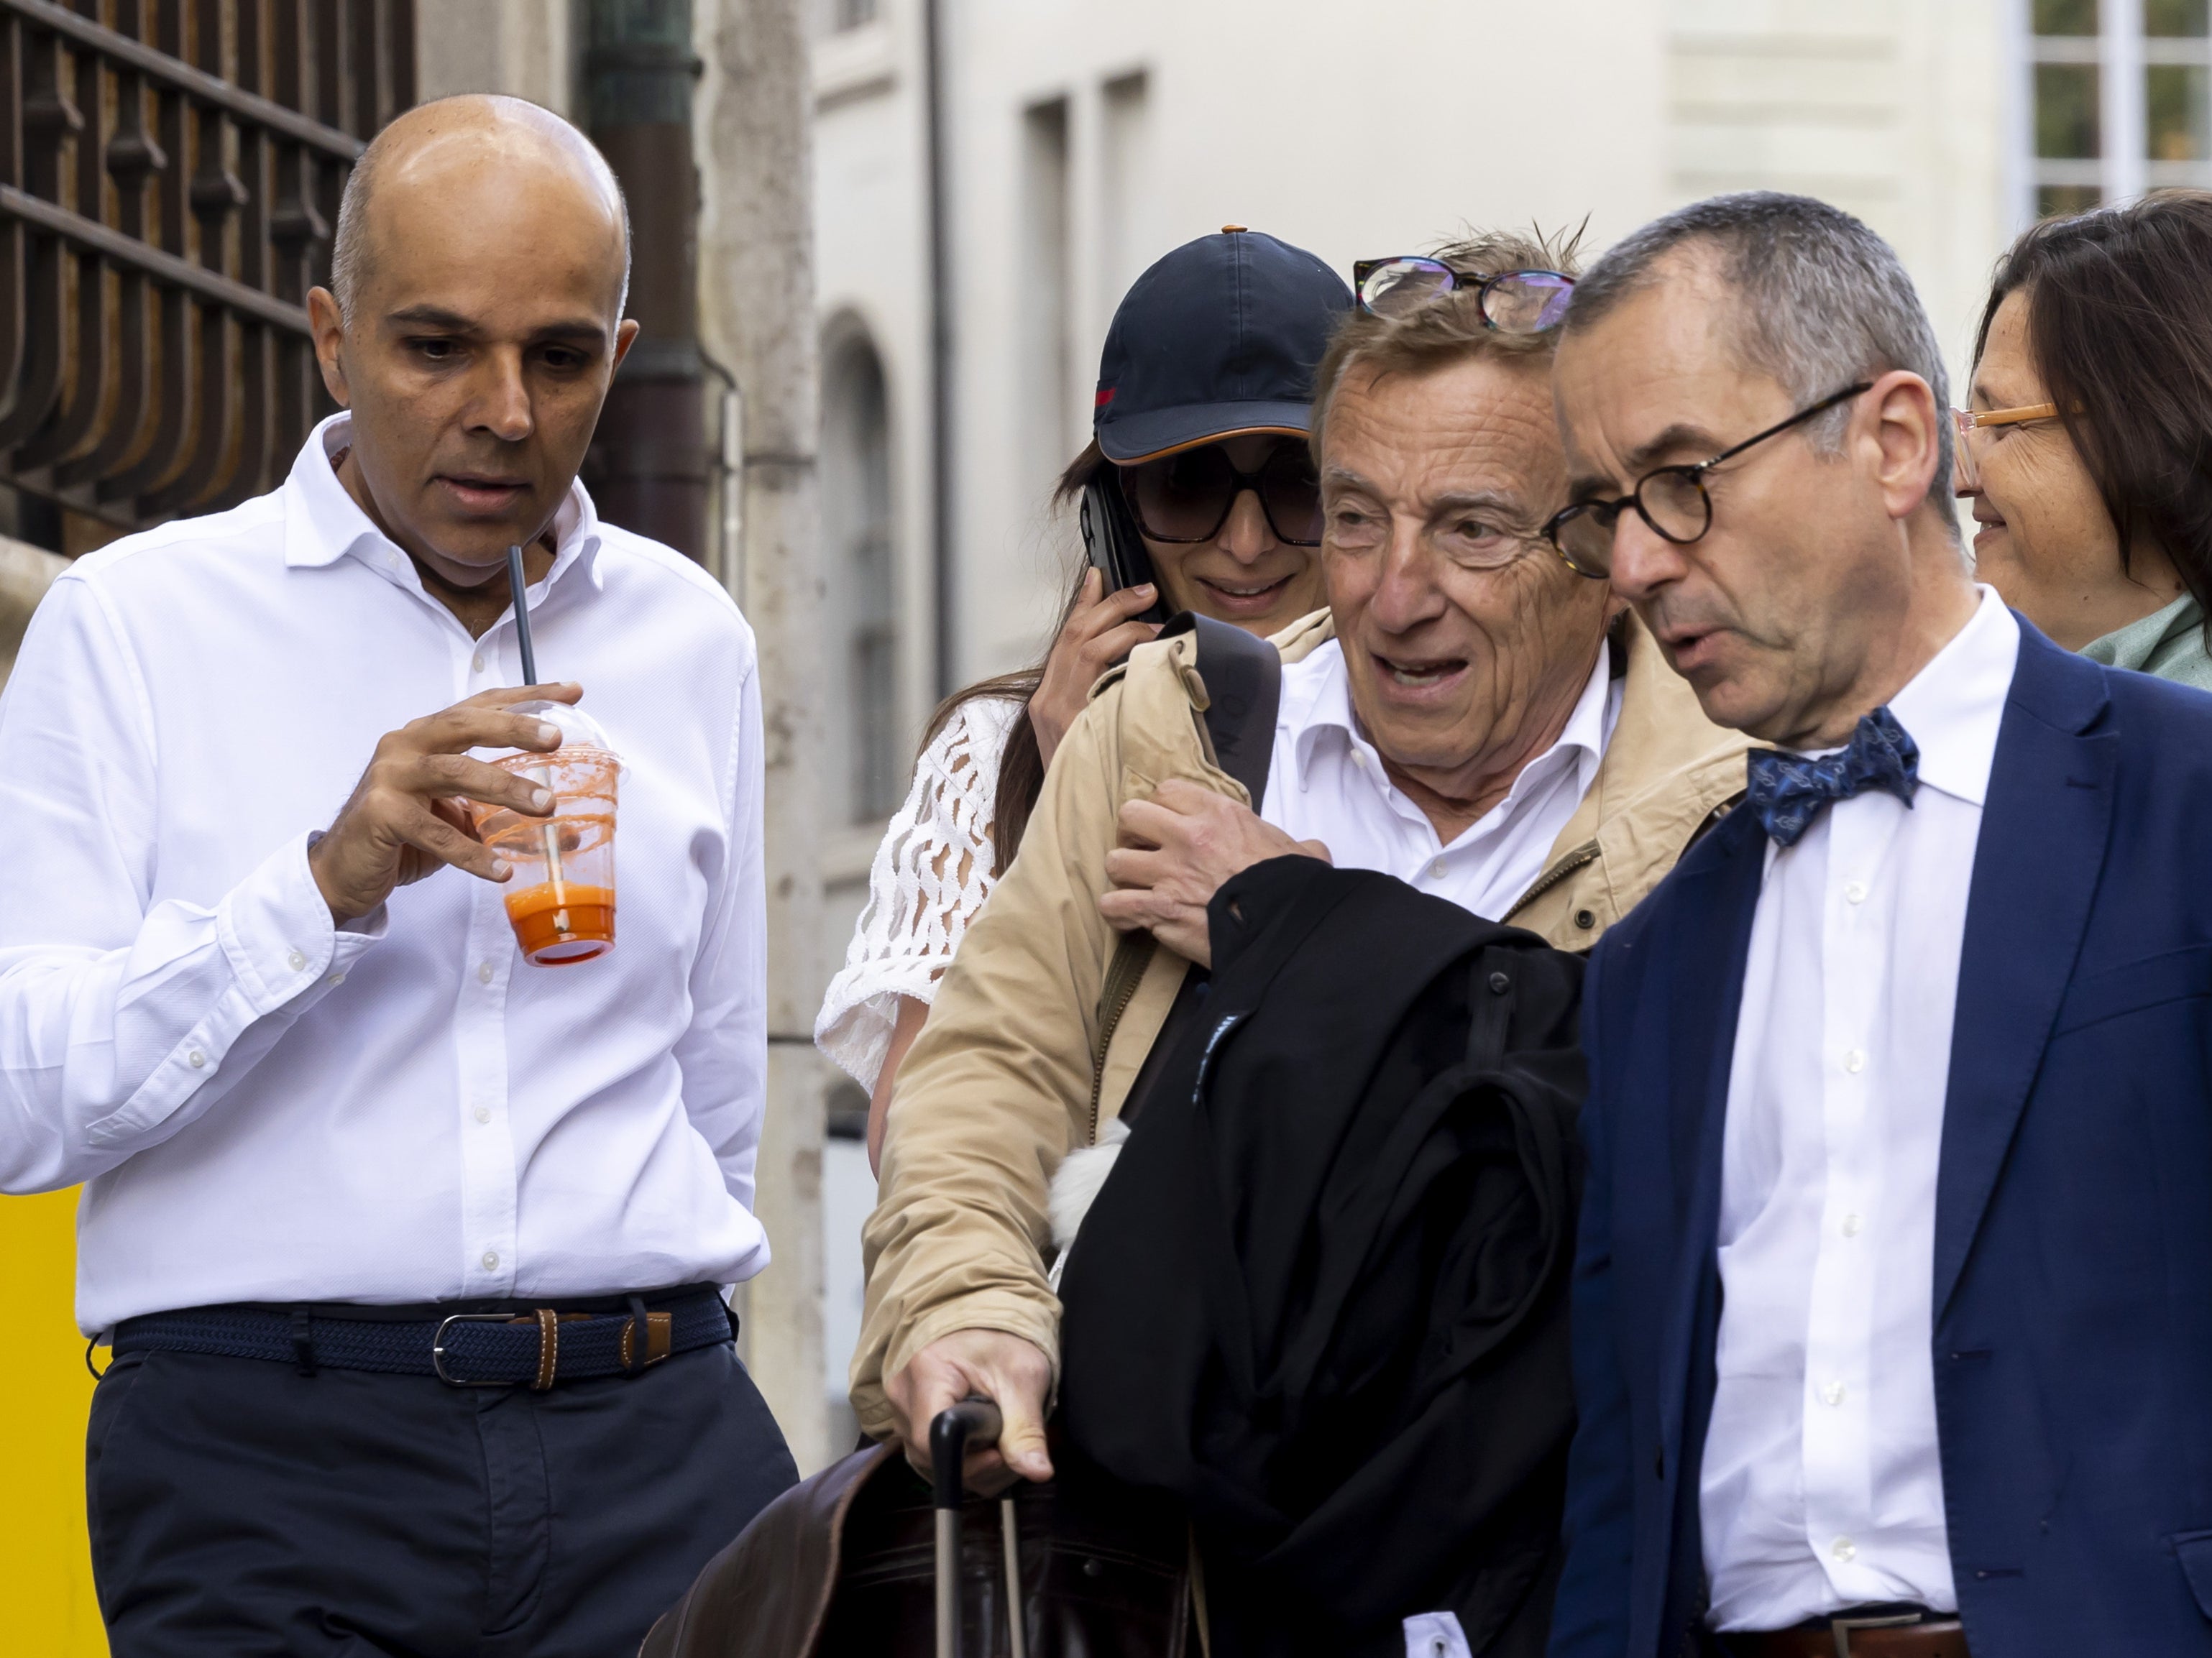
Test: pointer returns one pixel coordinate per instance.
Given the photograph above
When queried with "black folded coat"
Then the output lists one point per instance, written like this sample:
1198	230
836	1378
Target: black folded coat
1322	1297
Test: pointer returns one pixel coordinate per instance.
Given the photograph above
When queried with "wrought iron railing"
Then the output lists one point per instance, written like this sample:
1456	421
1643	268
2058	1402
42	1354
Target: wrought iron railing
169	178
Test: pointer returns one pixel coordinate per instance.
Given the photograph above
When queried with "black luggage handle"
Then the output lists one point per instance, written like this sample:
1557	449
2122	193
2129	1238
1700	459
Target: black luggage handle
971	1423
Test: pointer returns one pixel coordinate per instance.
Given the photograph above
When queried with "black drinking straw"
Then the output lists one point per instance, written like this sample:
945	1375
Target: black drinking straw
515	582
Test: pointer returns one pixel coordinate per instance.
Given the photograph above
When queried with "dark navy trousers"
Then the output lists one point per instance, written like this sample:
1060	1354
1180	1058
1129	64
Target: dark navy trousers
240	1508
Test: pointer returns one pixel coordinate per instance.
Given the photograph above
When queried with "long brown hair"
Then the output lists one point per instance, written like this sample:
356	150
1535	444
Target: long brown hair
1021	769
2119	322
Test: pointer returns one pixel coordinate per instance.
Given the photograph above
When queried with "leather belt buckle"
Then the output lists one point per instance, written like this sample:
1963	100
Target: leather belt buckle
1840	1628
1933	1626
438	1354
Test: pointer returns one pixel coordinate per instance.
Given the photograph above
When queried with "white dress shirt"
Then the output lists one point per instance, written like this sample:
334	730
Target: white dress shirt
1326	782
268	1108
1821	1487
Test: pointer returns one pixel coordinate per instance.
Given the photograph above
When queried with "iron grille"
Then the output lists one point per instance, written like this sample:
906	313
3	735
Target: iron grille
169	177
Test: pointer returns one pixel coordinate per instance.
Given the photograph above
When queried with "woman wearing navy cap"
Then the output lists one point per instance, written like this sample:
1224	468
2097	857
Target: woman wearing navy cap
1199	455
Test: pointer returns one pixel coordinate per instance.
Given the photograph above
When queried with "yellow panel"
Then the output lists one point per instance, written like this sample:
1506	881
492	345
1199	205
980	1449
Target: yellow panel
46	1602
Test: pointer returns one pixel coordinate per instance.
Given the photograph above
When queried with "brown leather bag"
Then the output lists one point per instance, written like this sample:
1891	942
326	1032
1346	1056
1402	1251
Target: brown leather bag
844	1564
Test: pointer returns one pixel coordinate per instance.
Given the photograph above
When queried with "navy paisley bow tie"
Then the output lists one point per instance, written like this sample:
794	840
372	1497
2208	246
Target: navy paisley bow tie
1787	790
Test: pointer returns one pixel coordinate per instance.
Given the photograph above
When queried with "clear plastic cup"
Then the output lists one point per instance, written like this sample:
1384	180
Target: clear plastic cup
560	898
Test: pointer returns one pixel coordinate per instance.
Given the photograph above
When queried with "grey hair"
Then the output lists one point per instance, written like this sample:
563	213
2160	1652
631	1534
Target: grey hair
1449	330
349	252
1825	302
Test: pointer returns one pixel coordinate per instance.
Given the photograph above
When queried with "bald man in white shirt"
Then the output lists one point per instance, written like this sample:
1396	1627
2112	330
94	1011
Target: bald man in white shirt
409	1251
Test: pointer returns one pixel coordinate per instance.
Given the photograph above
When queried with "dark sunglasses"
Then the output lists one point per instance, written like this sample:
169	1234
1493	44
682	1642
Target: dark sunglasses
1671	500
1188	496
1511	301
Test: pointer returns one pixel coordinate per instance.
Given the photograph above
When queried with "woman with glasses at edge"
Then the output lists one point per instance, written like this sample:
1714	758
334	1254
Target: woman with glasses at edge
2084	453
1200	432
2085	448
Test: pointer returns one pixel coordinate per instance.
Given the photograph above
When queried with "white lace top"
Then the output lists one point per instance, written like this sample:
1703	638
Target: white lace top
931	875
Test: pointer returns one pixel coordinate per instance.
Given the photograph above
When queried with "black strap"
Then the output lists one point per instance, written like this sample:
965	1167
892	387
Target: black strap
303	1341
1244	675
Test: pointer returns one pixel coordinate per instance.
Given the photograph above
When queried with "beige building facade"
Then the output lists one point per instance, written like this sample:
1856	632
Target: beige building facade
1082	141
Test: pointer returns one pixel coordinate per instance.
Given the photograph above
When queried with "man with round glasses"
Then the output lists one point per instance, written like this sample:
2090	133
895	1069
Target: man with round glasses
1889	1315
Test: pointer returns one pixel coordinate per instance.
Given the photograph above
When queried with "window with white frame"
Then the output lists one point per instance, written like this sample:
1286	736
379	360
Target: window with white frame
2119	99
836	16
865	760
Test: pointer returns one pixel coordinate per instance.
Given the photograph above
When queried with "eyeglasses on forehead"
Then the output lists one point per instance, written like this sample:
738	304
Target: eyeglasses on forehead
1511	301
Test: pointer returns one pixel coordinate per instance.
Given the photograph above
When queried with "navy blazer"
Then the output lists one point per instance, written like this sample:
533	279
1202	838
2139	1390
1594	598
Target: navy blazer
2072	1301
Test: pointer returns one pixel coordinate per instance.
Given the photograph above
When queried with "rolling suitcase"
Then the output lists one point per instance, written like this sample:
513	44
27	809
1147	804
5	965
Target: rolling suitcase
865	1557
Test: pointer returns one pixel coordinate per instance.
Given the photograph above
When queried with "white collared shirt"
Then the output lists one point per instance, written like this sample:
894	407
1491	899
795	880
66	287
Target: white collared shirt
1326	782
267	1107
1821	1487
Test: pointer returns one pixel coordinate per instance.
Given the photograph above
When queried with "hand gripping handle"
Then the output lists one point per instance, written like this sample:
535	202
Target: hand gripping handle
973	1423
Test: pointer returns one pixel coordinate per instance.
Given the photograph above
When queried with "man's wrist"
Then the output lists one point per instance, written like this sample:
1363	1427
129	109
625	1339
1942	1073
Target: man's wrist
317	874
341	914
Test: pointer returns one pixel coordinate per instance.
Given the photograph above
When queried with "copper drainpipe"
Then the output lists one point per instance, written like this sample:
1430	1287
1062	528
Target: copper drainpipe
648	466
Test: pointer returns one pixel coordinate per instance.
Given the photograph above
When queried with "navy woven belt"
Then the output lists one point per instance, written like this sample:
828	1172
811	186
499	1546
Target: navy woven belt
507	1346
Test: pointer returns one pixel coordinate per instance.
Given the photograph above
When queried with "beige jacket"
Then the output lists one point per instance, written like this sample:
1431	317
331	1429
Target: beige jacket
1043	1020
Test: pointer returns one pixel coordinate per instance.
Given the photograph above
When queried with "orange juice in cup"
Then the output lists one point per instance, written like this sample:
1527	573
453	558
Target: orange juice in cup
560	898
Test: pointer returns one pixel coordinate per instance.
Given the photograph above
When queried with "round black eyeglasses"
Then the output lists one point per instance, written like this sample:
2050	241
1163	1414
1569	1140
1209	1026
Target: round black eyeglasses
1511	301
1671	500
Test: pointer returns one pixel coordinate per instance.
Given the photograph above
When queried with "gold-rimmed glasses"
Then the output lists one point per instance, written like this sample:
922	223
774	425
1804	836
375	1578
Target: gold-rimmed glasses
1971	421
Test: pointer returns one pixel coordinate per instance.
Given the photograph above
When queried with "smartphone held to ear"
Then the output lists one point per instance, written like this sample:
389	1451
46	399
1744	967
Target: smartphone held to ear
1112	542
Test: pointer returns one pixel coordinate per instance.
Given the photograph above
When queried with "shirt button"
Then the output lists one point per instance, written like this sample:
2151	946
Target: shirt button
336	979
491	1260
1856	892
1845	1550
1832	1393
196	1059
1855	1062
483	1114
484	973
477	662
295	960
1359	758
1436	869
1853	1225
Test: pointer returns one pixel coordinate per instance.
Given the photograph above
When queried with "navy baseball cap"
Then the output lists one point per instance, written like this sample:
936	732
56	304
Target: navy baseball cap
1219	338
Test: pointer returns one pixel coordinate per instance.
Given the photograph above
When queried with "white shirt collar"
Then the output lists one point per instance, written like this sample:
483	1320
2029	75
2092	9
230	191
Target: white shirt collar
1953	707
1320	700
323	524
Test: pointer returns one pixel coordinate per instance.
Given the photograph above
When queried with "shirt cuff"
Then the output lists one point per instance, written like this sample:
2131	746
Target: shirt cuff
277	931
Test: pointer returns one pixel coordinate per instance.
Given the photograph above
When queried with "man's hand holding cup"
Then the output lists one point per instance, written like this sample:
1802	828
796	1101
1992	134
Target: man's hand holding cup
409	816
